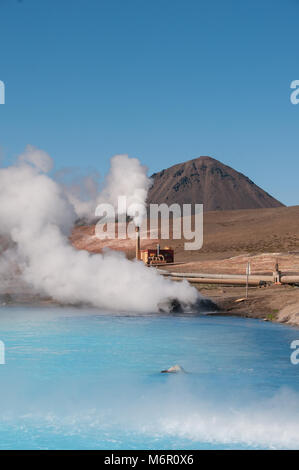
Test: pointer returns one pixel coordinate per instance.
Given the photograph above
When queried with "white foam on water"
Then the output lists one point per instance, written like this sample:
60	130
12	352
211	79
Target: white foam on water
166	412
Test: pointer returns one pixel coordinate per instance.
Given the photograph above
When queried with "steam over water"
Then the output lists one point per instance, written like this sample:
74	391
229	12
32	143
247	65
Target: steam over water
90	378
85	379
36	217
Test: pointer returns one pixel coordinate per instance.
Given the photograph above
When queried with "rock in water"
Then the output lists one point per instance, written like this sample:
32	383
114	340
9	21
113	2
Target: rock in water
173	370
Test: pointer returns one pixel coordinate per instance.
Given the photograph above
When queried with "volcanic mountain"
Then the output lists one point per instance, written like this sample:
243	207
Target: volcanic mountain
207	181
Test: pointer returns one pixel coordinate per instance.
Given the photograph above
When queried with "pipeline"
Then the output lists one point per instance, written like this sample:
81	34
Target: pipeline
240	277
224	282
233	279
289	279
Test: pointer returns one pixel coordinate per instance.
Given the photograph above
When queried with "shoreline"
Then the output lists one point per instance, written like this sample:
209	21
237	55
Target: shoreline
278	304
274	303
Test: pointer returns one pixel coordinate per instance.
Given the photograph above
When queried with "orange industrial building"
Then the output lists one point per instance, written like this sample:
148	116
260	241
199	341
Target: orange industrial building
157	256
153	255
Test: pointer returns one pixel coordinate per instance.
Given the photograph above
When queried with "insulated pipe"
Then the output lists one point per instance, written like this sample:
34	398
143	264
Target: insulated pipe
229	282
289	279
242	277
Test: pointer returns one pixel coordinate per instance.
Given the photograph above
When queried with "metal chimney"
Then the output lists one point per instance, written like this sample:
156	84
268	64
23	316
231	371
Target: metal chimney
137	230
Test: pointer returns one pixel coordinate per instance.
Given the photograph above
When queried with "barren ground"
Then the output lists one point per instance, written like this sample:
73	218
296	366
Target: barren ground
231	239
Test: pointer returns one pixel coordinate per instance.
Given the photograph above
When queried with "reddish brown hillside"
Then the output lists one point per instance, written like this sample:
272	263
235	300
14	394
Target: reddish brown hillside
209	182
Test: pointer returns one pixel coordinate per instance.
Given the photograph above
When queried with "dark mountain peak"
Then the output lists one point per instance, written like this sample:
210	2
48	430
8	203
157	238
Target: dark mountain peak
206	180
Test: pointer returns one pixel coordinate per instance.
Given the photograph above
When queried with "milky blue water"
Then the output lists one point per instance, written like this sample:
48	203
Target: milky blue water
82	379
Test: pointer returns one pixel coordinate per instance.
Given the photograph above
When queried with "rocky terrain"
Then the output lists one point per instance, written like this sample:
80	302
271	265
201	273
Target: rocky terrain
231	239
207	181
225	234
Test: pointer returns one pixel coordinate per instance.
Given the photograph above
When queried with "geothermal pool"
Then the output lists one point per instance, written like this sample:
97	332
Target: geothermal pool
80	379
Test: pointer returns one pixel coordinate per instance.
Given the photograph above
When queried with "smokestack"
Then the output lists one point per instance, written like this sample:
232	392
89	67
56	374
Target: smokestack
137	230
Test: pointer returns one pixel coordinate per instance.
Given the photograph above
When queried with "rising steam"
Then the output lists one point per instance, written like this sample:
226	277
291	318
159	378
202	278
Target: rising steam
36	216
127	177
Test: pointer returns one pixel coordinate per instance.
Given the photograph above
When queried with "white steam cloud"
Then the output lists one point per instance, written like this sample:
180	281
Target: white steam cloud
38	217
37	157
127	177
81	190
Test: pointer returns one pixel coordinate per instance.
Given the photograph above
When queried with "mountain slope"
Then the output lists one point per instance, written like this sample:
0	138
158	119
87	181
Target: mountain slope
210	182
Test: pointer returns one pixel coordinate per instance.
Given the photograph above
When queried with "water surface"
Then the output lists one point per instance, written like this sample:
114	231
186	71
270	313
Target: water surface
83	379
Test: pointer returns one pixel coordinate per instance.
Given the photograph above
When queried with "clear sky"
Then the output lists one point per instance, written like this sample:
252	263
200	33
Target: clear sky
162	80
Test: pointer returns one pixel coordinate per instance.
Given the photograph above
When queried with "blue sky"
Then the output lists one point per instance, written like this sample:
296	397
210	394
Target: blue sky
161	80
